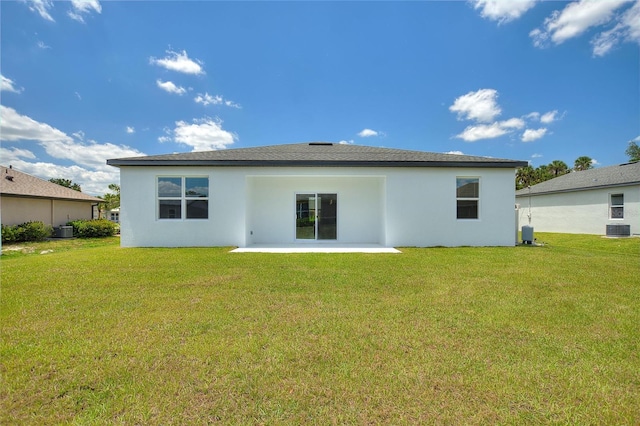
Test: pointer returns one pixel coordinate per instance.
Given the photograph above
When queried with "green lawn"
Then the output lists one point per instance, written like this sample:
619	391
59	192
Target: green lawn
93	333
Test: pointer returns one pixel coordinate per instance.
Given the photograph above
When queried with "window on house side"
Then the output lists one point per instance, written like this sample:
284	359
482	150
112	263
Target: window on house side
467	198
617	206
183	197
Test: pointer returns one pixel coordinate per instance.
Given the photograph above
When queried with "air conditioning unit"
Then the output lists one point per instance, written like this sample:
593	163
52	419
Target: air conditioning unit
618	230
63	232
527	234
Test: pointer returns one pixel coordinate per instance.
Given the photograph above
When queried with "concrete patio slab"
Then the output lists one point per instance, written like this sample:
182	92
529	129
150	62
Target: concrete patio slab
316	248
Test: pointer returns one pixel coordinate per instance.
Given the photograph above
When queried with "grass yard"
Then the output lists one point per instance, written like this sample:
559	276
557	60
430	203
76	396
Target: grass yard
94	334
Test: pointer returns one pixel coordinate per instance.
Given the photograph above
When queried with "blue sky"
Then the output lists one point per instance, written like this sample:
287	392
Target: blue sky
84	81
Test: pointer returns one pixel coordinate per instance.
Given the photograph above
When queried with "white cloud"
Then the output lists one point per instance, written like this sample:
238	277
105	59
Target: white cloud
346	142
9	155
482	131
78	95
130	129
83	7
42	8
627	29
530	135
512	123
8	85
89	154
206	99
366	133
17	127
548	117
537	156
631	20
576	18
503	10
455	152
180	62
232	104
42	45
90	157
480	105
170	87
204	134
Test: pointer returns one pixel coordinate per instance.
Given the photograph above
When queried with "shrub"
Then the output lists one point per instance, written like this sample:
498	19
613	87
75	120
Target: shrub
36	231
11	234
28	231
95	228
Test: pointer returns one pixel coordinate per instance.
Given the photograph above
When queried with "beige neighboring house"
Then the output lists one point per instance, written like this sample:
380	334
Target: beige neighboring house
25	198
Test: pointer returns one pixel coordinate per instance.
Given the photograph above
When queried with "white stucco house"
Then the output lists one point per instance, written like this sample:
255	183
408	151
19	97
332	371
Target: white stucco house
601	201
317	192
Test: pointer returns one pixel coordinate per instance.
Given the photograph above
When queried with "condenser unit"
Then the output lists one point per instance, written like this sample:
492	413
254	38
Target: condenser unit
63	232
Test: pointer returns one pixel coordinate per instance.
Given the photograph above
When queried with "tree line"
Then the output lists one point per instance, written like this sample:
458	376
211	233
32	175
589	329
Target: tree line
528	176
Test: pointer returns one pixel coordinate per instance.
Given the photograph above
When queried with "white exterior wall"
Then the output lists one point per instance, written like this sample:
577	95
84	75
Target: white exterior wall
139	223
387	206
271	201
421	208
580	212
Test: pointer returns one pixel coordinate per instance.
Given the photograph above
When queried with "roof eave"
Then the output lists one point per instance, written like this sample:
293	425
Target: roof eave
584	188
50	197
308	163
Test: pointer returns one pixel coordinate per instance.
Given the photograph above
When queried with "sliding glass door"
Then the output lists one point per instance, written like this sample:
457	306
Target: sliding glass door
316	216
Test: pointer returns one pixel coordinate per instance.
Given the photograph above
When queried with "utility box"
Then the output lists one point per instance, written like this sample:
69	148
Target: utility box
527	234
63	232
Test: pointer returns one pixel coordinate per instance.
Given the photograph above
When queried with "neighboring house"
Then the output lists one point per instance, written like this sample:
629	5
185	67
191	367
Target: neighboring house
598	201
316	192
25	198
113	215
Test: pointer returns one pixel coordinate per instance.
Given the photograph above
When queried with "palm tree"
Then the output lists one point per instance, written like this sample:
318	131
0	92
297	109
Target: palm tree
558	168
583	163
543	173
525	176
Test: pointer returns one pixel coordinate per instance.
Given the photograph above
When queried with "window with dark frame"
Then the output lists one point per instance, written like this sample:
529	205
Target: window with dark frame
183	197
467	198
617	206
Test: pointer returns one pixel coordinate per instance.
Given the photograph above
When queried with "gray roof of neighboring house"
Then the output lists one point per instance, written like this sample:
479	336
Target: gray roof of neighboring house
19	184
316	154
602	177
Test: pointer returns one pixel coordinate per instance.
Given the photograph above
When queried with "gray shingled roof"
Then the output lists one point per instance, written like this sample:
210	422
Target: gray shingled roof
316	154
602	177
16	183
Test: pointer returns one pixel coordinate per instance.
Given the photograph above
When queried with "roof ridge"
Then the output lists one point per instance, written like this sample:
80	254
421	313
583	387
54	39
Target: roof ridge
317	154
614	175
